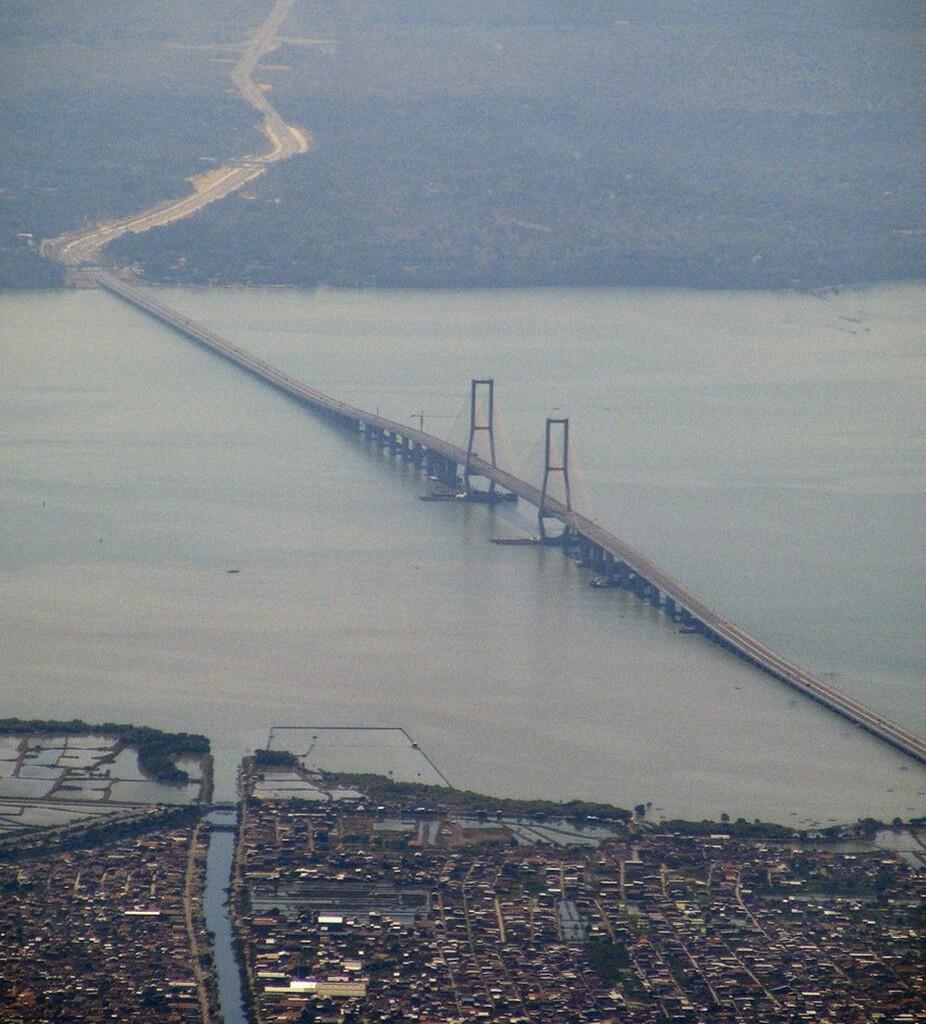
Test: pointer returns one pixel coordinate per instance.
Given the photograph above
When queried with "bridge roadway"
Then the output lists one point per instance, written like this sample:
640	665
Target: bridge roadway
600	547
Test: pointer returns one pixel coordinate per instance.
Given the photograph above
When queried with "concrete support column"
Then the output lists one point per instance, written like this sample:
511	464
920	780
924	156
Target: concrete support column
688	620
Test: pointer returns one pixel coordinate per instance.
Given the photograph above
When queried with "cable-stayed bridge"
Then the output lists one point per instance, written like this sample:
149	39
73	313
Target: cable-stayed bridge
596	546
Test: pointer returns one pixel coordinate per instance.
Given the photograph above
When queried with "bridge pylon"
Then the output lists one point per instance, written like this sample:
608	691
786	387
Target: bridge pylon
552	464
476	425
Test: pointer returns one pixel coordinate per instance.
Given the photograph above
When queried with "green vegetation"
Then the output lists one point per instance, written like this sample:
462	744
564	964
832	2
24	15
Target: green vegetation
157	750
387	791
723	144
609	959
714	144
107	109
275	759
739	829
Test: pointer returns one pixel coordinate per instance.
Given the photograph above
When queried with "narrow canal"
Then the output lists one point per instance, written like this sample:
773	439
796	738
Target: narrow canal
218	876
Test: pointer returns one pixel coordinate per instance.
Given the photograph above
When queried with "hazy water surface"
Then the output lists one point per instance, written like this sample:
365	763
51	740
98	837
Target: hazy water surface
767	449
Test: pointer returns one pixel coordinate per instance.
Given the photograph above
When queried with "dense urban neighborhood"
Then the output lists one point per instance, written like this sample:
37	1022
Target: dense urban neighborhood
359	897
108	932
357	910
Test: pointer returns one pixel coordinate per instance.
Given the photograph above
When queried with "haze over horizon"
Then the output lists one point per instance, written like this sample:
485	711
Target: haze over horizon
721	144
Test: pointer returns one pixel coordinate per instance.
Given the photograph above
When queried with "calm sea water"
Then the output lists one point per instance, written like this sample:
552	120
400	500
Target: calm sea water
766	448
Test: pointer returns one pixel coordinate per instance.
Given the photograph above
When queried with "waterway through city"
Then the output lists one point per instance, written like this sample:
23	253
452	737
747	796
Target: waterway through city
184	547
220	858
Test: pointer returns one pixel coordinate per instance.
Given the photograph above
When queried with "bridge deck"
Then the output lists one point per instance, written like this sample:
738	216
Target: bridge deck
742	642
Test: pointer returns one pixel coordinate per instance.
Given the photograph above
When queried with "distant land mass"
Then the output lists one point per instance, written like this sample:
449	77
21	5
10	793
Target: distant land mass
459	144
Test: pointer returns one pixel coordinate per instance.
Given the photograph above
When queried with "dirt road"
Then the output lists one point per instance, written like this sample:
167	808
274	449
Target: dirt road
83	247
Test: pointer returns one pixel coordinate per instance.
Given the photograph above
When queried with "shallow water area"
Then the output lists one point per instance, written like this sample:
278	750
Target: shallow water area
761	447
364	750
52	781
46	813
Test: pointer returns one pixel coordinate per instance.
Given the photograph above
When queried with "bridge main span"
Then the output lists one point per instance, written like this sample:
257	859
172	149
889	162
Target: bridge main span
596	546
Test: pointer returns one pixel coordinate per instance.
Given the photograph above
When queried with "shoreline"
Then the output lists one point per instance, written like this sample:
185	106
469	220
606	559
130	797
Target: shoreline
812	291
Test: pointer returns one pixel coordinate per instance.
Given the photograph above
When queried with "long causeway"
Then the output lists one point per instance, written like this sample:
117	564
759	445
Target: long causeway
597	546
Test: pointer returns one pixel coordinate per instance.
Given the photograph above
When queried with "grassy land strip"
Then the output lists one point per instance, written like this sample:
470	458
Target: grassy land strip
387	791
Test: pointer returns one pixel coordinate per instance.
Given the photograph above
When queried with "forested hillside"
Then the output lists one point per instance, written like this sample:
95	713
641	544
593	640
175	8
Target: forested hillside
717	144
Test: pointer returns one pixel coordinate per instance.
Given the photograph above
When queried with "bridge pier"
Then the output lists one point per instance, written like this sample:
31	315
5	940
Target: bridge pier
589	554
568	541
451	477
441	467
615	570
688	621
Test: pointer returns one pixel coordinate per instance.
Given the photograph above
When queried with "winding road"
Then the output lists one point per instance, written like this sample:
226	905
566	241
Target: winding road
83	247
